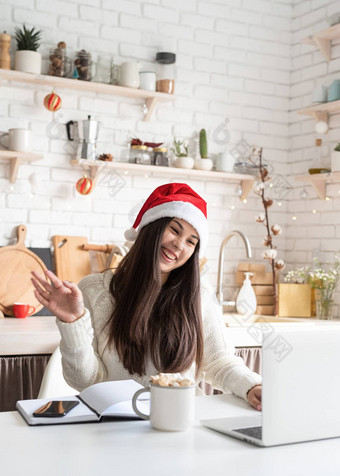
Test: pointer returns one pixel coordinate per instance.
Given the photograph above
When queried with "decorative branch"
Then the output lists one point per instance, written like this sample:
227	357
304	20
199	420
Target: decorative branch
271	253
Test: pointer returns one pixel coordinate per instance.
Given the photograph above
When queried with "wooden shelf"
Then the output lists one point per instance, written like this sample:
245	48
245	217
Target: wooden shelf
94	167
319	181
320	111
151	98
323	40
17	158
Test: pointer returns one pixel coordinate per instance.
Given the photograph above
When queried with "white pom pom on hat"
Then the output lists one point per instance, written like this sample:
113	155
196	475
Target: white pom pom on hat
131	234
173	200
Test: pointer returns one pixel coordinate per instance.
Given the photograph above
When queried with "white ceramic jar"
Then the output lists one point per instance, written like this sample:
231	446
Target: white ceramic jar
129	74
147	80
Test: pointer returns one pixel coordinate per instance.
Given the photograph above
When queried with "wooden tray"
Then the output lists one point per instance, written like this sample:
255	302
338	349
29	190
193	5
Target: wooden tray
16	264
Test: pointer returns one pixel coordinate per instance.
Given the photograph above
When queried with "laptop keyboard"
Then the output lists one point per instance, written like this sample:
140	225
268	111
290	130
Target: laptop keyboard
254	431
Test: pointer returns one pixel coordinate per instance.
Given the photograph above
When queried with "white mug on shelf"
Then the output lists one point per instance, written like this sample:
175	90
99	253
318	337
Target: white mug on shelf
18	140
147	80
225	162
320	94
129	74
171	408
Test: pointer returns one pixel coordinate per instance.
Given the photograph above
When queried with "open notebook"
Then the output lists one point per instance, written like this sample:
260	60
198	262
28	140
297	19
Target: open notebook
101	400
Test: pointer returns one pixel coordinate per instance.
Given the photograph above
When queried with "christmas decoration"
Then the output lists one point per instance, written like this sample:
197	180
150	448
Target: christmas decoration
105	157
52	102
84	185
261	190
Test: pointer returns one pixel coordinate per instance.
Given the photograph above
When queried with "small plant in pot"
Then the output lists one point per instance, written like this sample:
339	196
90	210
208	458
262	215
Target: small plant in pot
183	161
335	158
27	58
204	163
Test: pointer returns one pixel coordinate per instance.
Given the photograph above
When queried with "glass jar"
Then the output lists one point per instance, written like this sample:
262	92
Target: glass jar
160	157
139	154
60	64
166	72
83	65
103	69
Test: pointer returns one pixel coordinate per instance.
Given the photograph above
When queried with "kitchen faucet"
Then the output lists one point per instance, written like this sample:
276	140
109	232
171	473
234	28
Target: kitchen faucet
219	292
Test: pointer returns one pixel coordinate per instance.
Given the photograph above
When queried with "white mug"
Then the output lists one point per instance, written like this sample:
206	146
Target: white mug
171	408
129	74
319	94
19	140
147	80
225	162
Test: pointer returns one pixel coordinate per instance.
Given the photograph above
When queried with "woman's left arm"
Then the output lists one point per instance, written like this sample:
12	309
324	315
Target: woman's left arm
254	397
223	369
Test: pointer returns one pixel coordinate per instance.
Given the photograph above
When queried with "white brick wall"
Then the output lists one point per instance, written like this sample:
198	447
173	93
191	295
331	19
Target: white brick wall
233	62
311	234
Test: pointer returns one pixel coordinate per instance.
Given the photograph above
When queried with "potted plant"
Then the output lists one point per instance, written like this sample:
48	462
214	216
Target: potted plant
204	163
183	161
335	157
27	59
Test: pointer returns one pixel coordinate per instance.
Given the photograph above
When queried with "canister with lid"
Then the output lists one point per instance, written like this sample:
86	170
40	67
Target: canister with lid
84	66
139	154
160	157
60	64
166	72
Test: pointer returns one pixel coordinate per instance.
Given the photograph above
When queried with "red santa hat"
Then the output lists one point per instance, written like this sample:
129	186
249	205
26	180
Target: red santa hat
173	200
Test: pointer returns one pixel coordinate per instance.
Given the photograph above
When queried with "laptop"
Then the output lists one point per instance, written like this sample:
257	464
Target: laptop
300	390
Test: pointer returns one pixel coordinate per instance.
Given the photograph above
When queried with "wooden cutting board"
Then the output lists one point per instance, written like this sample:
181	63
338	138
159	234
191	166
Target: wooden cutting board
16	264
72	262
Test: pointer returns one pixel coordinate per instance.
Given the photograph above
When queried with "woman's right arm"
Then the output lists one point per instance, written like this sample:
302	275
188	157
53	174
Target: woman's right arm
82	365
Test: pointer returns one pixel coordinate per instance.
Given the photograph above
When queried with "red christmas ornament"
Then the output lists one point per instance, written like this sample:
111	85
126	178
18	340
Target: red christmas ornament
84	185
52	102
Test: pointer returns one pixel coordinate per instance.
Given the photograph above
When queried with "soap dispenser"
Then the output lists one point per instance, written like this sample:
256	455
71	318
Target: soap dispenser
246	299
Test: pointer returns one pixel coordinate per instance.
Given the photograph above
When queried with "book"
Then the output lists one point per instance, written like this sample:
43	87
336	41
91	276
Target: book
97	402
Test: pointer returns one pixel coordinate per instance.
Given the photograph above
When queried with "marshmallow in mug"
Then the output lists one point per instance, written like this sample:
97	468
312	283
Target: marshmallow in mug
170	380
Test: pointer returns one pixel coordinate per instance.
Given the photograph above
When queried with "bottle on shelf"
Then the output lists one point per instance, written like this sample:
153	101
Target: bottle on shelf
5	57
319	166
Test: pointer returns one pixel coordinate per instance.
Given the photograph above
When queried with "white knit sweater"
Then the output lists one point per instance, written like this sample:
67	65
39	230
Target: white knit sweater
87	360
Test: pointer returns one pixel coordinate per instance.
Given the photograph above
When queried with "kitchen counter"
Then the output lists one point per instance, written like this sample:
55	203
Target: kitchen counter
245	331
39	334
30	336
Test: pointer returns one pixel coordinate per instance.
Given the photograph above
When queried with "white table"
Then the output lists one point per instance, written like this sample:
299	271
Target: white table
133	448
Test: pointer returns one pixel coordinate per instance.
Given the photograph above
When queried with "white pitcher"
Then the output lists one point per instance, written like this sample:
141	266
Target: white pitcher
129	74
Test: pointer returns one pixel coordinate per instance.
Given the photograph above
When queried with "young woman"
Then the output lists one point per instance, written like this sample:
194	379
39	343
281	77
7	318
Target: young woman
154	314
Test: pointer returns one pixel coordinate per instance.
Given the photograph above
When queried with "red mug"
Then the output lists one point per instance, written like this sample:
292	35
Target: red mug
22	310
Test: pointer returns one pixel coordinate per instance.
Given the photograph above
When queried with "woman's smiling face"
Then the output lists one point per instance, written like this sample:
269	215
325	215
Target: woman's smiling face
177	246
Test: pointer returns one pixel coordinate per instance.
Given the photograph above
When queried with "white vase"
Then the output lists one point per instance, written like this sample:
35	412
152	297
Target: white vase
203	164
184	162
27	61
335	157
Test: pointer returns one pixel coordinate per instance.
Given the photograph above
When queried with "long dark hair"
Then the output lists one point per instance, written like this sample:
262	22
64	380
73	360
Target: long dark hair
149	320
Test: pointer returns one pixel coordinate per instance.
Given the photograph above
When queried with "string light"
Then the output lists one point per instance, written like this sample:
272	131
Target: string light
244	200
238	190
314	211
232	207
293	217
304	194
279	204
327	199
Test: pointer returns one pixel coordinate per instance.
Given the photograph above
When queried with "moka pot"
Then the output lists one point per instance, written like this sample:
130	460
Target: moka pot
87	132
